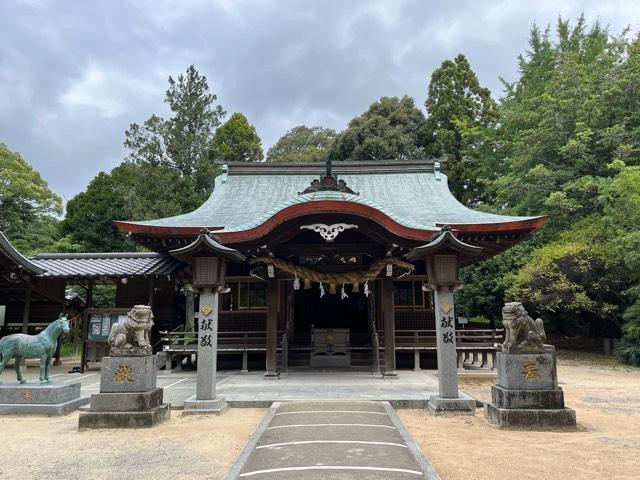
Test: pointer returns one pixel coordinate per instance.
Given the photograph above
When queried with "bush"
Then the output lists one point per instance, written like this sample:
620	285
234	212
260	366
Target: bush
628	350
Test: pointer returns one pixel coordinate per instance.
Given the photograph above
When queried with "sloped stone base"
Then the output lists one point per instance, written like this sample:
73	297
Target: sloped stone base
463	405
143	419
49	399
537	399
125	410
216	406
529	417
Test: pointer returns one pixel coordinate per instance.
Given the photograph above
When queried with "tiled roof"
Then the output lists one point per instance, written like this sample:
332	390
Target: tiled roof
105	265
411	193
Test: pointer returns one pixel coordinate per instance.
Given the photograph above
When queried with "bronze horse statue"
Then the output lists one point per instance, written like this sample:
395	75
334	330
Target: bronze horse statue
43	345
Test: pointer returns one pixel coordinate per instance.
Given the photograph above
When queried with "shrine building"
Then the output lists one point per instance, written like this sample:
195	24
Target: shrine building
350	265
346	266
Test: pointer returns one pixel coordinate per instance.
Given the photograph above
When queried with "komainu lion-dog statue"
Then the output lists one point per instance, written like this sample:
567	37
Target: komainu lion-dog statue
131	334
522	333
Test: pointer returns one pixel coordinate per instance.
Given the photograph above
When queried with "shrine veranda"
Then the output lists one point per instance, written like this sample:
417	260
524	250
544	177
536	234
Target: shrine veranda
350	266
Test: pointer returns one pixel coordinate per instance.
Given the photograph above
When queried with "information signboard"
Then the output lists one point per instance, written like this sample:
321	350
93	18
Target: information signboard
100	326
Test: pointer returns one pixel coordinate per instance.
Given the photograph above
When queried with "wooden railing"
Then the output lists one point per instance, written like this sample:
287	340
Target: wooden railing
178	345
473	345
227	341
471	339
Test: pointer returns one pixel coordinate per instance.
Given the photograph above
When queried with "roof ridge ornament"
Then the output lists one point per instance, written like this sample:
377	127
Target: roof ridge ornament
206	232
328	182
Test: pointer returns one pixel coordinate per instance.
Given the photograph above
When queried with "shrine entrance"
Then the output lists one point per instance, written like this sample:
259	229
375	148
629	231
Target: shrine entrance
330	311
335	327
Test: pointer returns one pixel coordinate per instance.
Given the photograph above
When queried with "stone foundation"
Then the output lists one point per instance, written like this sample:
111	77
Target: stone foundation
128	395
464	405
215	406
527	392
36	399
529	417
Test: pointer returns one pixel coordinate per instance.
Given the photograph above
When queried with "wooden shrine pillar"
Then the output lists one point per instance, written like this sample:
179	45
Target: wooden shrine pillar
85	326
26	311
273	299
389	327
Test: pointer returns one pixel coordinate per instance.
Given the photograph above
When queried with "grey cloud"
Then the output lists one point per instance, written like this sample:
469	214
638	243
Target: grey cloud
74	75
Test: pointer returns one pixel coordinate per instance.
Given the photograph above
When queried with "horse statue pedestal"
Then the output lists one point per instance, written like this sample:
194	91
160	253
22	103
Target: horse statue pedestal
36	399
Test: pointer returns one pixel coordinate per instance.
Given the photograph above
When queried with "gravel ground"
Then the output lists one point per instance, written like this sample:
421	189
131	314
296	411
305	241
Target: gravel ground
606	444
190	447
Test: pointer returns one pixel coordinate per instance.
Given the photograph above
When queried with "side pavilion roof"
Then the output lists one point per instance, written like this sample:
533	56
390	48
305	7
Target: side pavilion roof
411	198
105	265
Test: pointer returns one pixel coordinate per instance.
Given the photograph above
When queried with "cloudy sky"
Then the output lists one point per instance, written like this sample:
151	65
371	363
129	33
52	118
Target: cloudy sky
75	74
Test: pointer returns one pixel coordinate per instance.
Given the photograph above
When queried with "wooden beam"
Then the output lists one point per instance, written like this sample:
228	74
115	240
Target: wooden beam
26	311
389	326
372	249
273	299
85	325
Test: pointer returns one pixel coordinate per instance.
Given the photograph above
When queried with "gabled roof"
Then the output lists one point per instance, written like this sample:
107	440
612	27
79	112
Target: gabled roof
206	243
408	196
106	265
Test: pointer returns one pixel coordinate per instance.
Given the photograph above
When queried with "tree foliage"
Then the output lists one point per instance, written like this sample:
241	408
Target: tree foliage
567	145
28	207
183	143
302	144
169	171
237	141
391	129
460	113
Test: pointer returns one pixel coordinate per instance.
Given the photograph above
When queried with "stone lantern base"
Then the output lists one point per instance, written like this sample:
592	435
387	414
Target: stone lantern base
215	406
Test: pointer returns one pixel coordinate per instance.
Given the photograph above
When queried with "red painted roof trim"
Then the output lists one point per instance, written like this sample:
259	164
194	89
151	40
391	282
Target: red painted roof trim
325	206
530	224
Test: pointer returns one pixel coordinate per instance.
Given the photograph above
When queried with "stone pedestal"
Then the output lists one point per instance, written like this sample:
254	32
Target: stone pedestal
462	404
36	399
527	392
128	395
215	406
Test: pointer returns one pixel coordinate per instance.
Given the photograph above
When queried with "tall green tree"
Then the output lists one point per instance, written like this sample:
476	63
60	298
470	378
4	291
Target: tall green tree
567	145
170	169
183	142
391	129
237	141
302	144
460	115
28	207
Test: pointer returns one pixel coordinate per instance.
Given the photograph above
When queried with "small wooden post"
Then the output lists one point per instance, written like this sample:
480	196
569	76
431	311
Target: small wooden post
416	360
245	361
85	326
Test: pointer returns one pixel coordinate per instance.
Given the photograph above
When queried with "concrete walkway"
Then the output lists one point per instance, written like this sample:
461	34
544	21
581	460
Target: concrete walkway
408	390
331	440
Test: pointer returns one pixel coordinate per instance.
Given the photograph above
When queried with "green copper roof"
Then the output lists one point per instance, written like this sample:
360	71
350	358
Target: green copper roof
411	193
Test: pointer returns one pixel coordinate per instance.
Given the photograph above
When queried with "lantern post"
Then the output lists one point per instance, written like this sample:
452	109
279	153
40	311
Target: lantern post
208	260
442	261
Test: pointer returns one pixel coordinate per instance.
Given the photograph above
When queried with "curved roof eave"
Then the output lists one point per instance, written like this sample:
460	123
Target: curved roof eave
17	258
417	202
